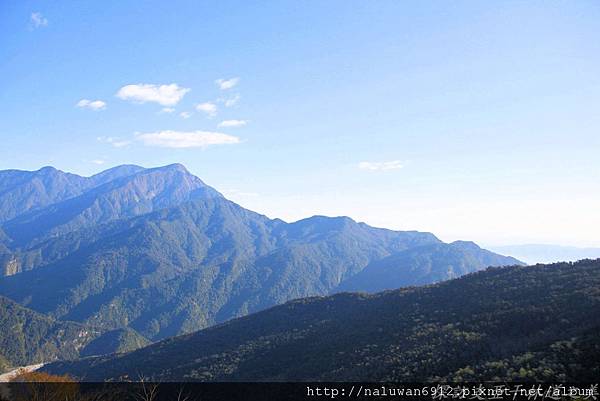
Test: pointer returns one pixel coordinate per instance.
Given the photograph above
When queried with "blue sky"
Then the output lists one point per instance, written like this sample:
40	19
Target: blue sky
473	120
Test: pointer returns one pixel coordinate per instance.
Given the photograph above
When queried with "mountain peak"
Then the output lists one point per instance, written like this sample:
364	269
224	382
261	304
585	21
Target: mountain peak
465	244
47	170
117	193
123	170
123	167
175	167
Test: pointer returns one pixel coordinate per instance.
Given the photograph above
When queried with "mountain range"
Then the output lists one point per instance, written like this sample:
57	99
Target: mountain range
147	254
537	323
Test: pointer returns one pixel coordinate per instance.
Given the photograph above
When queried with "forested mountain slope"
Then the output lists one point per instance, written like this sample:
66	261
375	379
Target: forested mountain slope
159	251
27	337
517	323
184	268
423	265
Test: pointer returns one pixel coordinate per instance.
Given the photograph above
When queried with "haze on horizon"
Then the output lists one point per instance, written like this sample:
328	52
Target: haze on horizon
470	120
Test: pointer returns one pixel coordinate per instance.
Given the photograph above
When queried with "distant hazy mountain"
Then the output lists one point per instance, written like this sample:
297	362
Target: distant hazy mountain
159	251
27	337
22	191
538	323
124	196
423	265
544	253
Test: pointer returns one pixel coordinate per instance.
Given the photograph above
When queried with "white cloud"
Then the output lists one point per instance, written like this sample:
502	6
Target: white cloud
225	84
91	104
38	20
185	114
167	110
232	101
165	95
116	142
207	107
180	140
380	166
232	123
98	161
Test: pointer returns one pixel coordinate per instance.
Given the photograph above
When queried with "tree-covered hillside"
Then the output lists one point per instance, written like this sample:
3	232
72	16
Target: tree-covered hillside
118	340
425	264
27	337
159	251
182	269
516	323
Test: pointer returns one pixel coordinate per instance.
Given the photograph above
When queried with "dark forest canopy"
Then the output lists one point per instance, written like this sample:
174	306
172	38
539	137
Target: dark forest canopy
536	323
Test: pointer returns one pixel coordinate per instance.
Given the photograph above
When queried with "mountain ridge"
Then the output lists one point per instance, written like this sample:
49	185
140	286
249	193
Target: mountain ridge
23	190
532	323
238	251
436	262
127	195
161	252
